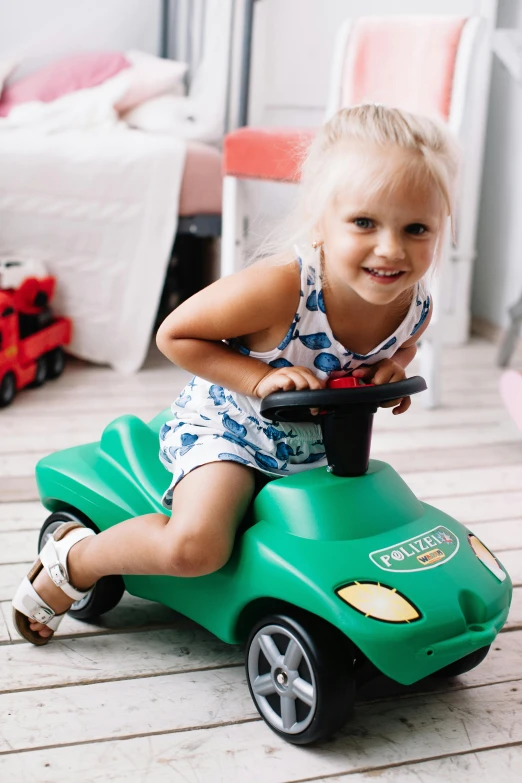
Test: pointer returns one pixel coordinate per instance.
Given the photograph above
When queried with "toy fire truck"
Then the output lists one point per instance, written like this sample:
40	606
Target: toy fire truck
31	338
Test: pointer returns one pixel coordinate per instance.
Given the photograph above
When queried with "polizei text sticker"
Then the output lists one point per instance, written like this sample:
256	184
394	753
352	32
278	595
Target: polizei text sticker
430	549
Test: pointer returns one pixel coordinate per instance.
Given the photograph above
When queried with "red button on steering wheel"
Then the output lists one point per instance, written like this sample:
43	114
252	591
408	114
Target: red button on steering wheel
348	382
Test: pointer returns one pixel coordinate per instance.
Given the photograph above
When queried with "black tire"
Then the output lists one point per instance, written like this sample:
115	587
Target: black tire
41	372
318	676
7	389
465	664
55	363
107	591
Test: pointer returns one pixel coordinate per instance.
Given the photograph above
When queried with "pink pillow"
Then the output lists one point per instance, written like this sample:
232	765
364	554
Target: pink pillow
75	72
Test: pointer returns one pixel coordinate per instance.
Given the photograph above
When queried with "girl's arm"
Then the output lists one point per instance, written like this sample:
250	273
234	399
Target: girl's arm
405	354
408	350
392	370
261	299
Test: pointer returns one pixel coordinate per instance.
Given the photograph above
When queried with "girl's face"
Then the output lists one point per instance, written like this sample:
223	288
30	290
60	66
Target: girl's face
380	245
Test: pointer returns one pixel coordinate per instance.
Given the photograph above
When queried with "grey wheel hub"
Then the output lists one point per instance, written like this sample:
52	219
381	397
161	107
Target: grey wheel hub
289	687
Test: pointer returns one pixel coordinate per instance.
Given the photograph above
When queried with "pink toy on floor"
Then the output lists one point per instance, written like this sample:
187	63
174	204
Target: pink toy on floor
511	393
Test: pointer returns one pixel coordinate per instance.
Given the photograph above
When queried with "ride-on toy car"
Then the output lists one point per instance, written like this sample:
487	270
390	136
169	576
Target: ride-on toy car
334	571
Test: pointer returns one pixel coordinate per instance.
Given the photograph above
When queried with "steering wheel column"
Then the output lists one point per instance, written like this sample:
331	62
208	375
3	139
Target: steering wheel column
347	439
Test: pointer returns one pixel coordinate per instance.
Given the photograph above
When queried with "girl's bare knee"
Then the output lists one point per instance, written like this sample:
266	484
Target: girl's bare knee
192	555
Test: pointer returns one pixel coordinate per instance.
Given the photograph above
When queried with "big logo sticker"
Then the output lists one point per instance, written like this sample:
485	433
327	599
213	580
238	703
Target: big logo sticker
429	550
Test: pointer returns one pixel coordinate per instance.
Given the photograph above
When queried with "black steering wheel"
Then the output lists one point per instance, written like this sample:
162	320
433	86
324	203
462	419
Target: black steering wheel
345	418
295	405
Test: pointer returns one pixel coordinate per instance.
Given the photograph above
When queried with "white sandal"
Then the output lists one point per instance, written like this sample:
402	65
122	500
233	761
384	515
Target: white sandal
28	606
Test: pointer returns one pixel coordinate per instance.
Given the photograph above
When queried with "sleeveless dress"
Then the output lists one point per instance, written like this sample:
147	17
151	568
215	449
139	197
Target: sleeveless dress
211	423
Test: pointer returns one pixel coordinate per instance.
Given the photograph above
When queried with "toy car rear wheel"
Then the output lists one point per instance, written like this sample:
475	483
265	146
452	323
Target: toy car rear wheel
107	591
465	664
7	389
300	675
55	363
41	372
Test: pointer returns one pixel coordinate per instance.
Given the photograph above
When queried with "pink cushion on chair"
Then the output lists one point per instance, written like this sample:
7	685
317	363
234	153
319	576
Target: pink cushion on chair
266	153
75	72
404	62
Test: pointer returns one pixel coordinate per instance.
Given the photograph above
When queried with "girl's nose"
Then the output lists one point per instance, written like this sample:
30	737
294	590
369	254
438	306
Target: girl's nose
389	246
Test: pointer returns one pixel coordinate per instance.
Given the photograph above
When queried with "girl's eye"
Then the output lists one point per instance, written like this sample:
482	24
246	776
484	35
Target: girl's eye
417	229
363	222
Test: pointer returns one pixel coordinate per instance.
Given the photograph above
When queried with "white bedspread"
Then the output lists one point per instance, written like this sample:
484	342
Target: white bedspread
98	204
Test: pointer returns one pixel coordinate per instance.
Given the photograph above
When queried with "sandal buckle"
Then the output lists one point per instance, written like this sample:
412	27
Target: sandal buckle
58	574
42	615
37	612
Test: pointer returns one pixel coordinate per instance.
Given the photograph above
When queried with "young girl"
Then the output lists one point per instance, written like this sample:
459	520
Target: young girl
352	299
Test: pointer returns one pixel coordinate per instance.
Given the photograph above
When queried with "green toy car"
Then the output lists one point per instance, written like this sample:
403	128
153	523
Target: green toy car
336	572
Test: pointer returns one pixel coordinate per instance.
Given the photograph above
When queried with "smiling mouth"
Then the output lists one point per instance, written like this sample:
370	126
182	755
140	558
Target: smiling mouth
383	274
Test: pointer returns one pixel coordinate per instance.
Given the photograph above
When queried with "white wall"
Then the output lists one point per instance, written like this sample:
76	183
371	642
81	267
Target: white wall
498	269
38	31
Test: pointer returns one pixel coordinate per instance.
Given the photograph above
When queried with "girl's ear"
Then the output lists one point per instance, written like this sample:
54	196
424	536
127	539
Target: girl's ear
317	236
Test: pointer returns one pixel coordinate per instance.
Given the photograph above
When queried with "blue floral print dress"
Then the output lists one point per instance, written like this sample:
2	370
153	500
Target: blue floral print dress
211	423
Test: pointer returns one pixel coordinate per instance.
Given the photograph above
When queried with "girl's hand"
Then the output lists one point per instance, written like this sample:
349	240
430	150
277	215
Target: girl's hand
287	379
385	371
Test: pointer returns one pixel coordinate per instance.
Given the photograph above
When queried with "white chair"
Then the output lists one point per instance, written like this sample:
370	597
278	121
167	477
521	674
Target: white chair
436	65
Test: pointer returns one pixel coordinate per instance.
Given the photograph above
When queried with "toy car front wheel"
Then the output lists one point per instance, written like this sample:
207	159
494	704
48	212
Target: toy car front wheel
107	591
7	389
300	676
465	664
55	363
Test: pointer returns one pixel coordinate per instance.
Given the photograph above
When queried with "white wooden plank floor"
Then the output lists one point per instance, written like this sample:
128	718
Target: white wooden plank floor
146	695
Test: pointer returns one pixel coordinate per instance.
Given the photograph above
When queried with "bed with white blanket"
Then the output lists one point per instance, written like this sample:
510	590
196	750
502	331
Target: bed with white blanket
97	201
100	210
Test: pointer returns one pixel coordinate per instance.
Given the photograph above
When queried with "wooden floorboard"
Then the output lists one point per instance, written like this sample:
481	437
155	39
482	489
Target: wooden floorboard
394	732
14	488
145	695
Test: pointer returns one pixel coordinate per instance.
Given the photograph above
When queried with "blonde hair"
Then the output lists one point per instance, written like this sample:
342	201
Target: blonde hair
435	158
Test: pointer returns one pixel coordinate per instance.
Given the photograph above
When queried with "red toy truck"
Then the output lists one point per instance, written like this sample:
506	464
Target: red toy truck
31	339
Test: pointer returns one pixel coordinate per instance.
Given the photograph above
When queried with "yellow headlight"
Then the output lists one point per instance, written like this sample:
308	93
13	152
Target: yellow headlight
485	556
378	601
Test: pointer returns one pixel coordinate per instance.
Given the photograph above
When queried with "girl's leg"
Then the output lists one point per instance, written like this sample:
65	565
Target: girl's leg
207	506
